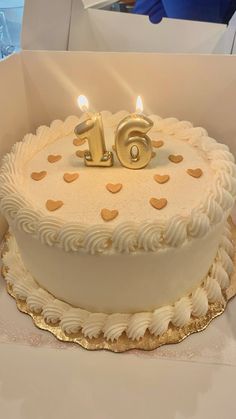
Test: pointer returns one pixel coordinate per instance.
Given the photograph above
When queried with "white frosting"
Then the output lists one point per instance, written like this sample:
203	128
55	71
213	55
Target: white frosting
161	319
54	310
48	230
115	325
227	245
38	299
93	325
213	289
72	320
138	324
220	274
71	236
194	205
199	224
182	312
199	302
96	239
176	231
124	237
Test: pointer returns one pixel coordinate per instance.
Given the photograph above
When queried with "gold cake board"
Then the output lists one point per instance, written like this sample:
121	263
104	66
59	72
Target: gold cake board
149	341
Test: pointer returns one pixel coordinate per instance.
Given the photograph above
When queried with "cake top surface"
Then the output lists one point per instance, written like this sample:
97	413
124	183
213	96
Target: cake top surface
188	185
84	197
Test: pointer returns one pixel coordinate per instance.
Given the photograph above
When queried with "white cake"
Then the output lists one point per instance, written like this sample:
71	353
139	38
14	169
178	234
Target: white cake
161	259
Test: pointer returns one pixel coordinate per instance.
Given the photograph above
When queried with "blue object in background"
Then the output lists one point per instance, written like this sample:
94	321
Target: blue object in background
219	11
153	8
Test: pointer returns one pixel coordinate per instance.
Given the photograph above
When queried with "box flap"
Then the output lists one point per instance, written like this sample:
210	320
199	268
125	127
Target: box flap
101	30
46	24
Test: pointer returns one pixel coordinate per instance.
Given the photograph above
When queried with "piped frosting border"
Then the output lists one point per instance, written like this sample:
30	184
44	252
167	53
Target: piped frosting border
71	320
126	236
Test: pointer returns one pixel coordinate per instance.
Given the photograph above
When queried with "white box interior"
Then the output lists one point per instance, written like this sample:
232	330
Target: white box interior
39	86
198	88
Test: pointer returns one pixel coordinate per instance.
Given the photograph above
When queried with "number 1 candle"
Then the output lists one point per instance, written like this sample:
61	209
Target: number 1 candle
92	130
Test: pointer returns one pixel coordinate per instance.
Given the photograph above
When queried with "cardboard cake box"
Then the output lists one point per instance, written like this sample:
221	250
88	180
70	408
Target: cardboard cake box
82	25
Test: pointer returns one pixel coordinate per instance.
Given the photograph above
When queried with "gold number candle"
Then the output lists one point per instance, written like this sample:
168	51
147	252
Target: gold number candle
92	130
133	146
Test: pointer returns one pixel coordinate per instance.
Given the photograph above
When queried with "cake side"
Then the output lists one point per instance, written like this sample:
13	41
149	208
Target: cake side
72	320
120	282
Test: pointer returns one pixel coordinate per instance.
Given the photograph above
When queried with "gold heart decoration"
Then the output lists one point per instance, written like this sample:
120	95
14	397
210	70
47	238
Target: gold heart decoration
52	205
78	141
157	143
80	153
70	177
109	215
52	158
195	172
161	178
158	203
114	187
175	158
38	175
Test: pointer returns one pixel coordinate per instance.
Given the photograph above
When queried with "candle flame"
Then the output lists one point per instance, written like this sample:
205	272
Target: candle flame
139	105
82	102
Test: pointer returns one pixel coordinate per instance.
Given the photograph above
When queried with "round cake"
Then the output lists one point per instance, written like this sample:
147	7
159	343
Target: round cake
111	251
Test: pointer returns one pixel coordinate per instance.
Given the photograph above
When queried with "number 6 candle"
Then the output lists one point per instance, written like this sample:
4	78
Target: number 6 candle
92	130
133	146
